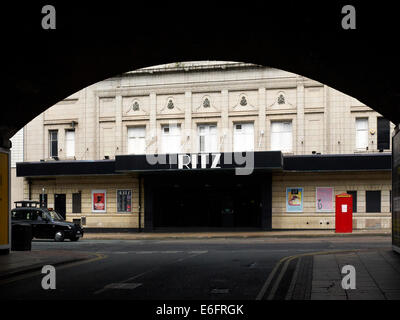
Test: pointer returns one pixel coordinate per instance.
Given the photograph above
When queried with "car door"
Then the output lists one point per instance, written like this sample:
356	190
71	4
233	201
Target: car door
36	222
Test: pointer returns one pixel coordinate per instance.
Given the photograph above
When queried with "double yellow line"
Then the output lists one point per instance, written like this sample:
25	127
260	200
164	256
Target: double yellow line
286	261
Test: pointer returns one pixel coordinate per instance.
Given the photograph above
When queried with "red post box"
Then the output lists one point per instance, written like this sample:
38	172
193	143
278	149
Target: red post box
344	213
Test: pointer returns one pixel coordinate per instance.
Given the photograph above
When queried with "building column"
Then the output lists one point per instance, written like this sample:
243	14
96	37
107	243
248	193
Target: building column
152	139
226	136
261	140
299	147
118	125
188	134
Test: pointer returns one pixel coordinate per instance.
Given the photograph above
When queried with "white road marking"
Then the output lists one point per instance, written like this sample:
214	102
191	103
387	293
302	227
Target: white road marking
129	286
107	287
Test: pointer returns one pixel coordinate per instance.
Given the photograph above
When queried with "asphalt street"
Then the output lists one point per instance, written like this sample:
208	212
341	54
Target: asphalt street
206	269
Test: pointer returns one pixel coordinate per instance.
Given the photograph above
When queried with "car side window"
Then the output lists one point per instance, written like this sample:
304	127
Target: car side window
18	215
37	215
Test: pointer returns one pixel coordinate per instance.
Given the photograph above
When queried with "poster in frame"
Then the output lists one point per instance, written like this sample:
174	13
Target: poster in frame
324	198
294	199
99	201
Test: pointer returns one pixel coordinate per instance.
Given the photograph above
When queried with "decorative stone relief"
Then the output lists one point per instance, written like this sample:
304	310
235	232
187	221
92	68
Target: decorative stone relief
134	106
243	103
281	101
171	106
204	104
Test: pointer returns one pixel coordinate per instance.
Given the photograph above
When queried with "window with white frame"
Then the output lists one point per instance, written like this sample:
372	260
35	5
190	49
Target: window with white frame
53	143
17	150
171	138
208	138
70	143
137	140
281	136
243	138
362	133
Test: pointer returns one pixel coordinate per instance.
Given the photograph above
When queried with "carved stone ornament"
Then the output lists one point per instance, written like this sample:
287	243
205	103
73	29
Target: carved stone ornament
243	101
135	106
170	104
206	103
281	99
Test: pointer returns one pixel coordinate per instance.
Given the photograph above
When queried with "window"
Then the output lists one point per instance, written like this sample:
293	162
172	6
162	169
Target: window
243	139
207	138
137	140
76	203
53	143
354	194
281	136
383	133
171	138
362	133
373	201
70	143
124	200
17	150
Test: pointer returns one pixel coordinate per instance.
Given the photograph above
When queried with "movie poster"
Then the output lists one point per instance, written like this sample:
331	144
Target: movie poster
294	199
98	200
324	199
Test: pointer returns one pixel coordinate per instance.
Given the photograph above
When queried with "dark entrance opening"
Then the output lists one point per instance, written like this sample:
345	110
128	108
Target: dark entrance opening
208	200
60	204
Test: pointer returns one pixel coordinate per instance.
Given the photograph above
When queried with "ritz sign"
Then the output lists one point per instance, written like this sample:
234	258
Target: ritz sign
242	162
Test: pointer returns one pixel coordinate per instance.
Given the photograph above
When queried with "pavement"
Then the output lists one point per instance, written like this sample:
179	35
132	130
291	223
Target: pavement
318	276
233	234
20	262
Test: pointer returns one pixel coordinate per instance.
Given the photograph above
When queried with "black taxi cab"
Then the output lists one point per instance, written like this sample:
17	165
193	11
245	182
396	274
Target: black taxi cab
46	223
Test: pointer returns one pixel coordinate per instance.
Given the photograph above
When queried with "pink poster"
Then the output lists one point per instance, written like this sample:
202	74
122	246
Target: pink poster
324	199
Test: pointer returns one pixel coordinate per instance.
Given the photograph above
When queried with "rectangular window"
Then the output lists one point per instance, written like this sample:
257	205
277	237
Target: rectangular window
281	136
53	143
124	200
383	133
373	201
362	133
137	140
76	203
17	150
171	138
70	143
207	138
243	139
354	194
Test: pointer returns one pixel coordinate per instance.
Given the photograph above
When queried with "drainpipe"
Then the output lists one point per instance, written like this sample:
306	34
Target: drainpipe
140	204
30	189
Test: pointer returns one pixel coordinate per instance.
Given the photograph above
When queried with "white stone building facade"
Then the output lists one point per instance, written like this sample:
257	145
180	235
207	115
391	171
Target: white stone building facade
207	107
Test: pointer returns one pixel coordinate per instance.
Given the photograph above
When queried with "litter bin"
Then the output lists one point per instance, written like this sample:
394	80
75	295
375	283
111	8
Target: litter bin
21	237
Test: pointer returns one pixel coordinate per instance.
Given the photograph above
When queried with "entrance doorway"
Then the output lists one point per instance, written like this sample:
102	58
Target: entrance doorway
60	204
207	201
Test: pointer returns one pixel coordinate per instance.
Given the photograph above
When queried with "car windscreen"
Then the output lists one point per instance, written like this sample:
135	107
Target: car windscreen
54	215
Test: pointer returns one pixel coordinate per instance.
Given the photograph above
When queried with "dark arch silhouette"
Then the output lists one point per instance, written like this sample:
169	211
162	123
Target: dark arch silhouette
94	42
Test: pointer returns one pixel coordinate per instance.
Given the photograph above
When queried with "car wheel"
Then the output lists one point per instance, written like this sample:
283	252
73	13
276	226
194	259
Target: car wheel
59	236
74	238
